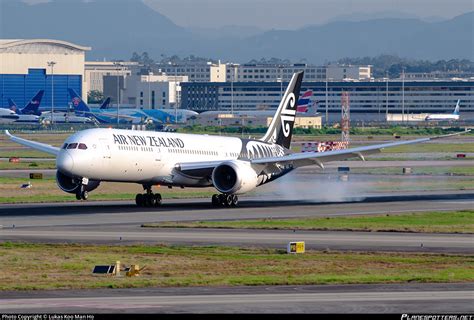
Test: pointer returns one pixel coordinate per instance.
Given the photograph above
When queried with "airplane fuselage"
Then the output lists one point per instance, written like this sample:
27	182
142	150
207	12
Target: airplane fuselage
442	117
148	158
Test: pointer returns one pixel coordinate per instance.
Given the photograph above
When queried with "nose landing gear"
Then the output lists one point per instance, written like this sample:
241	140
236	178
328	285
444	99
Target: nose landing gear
148	199
81	193
225	200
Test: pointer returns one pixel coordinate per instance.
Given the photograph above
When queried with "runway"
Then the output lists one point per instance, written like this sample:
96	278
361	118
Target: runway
125	212
408	298
120	223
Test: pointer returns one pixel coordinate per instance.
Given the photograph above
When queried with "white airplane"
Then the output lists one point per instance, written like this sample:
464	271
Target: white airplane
64	117
10	116
232	165
445	117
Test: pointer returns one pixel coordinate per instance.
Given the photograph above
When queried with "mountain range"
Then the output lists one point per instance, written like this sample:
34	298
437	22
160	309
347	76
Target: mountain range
115	29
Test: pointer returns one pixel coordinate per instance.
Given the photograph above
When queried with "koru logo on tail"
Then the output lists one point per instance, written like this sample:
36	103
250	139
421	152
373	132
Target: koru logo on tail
288	114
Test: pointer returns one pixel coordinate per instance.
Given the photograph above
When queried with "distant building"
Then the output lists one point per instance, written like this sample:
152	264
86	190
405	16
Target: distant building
149	91
195	71
342	72
256	72
377	98
96	70
283	72
24	70
438	75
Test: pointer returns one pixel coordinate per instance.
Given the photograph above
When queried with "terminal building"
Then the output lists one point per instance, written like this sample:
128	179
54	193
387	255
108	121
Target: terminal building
370	100
95	71
27	66
258	72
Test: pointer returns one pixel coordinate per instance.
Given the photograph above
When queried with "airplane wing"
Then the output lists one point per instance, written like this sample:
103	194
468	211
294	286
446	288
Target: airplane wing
33	144
201	169
319	158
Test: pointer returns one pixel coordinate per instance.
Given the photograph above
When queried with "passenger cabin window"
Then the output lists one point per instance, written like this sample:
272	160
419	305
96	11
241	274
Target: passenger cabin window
82	146
72	146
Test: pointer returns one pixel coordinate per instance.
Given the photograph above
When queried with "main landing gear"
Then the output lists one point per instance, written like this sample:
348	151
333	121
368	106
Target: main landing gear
148	199
225	200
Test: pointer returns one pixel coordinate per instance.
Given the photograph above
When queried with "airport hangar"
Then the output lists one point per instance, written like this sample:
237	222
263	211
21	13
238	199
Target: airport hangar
26	68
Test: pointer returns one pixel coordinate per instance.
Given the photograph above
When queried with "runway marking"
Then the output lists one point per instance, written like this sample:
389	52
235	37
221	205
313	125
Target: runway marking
124	302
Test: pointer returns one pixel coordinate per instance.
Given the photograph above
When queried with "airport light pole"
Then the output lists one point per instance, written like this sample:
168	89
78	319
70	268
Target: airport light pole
149	91
232	91
176	94
51	64
281	81
281	84
403	94
175	66
327	100
119	68
386	96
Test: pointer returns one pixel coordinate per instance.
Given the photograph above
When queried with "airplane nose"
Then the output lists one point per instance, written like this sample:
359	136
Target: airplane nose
64	162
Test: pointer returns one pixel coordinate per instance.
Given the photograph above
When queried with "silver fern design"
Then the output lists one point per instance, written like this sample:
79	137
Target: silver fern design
288	114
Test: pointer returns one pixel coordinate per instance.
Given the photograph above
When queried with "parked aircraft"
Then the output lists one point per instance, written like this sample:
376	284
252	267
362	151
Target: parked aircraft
31	108
8	116
64	117
125	115
445	117
28	114
231	165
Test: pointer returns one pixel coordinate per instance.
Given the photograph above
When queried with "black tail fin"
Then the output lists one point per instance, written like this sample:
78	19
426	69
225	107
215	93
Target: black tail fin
281	128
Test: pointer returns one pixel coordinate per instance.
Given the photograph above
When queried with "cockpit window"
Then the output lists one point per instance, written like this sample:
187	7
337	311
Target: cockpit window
64	146
82	146
72	146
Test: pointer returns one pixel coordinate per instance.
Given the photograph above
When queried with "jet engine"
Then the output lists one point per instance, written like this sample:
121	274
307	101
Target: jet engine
72	185
234	177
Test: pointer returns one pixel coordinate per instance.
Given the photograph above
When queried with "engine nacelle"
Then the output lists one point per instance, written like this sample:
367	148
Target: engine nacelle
234	177
71	185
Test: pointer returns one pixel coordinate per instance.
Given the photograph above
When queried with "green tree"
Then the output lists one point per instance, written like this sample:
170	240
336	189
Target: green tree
95	96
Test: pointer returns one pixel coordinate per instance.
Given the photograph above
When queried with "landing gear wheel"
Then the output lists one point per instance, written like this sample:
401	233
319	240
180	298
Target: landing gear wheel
157	199
228	199
235	200
78	196
139	200
221	198
149	200
84	195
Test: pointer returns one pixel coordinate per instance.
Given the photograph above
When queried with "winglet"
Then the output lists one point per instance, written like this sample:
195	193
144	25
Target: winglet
8	133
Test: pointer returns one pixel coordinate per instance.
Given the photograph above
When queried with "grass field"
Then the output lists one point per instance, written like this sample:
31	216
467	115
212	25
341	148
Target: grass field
45	266
32	165
46	190
434	222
